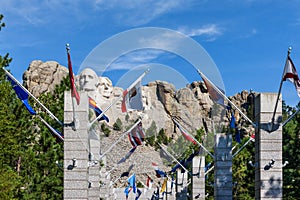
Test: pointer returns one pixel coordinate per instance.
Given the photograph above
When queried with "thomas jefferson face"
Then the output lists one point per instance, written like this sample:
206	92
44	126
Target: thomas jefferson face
88	80
105	87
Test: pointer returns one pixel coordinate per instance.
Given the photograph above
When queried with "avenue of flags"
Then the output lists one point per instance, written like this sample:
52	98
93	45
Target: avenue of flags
132	100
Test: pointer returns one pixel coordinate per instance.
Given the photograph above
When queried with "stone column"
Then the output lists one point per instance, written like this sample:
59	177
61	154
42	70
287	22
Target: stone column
76	149
181	185
198	178
223	167
268	148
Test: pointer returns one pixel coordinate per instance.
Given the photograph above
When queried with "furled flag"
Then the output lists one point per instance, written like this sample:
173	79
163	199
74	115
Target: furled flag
238	136
98	111
213	92
149	182
124	174
138	194
159	173
132	98
185	134
21	93
127	155
74	92
164	185
232	121
59	136
136	135
291	74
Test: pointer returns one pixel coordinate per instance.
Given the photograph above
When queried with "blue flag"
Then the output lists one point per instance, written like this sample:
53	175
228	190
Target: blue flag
21	93
238	136
232	121
131	181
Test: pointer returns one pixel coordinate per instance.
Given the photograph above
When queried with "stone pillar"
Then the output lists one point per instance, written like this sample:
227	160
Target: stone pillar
223	167
181	185
198	178
268	148
76	149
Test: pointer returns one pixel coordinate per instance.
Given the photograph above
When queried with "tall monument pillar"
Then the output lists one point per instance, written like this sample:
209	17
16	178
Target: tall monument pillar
268	148
76	148
223	167
198	178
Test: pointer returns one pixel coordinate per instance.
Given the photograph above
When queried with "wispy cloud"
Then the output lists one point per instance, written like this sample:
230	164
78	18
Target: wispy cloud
139	12
136	58
211	31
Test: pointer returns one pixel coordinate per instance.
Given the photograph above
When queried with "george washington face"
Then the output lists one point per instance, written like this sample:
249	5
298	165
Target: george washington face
88	80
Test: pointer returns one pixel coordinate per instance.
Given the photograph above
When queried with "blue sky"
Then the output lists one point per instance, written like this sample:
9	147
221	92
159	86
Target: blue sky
247	40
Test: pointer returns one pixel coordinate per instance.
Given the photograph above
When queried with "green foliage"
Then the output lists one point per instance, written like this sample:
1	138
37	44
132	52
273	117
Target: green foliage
117	125
291	153
105	130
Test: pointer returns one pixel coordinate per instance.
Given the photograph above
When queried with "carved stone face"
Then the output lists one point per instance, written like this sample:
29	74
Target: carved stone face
105	87
88	80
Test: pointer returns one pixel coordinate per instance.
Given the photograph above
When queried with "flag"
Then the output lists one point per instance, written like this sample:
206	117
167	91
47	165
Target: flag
238	136
139	192
22	94
98	111
131	182
232	121
186	135
207	167
164	185
127	191
291	74
252	138
136	135
149	182
132	98
59	136
127	155
124	174
159	173
213	92
74	92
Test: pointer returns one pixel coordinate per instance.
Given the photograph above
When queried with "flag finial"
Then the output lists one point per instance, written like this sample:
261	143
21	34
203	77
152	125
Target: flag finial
289	50
68	46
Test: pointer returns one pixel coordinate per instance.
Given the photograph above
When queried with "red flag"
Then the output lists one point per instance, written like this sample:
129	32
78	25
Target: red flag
186	135
149	182
74	92
291	74
137	135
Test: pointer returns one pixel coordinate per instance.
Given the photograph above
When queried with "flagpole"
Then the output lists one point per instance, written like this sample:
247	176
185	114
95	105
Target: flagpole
119	139
172	157
48	111
279	91
194	139
60	137
242	147
75	126
120	97
286	121
224	96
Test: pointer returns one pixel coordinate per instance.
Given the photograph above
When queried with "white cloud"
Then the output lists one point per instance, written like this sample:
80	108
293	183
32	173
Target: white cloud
139	12
211	31
136	58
